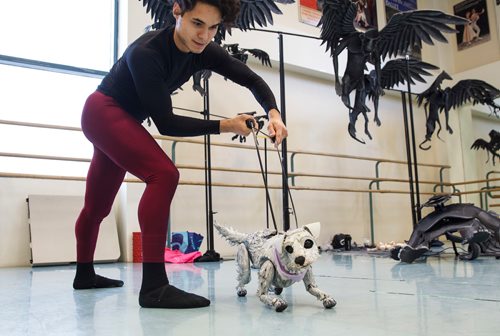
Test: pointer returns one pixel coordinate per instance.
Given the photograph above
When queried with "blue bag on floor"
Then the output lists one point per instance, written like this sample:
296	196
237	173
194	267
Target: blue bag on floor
186	241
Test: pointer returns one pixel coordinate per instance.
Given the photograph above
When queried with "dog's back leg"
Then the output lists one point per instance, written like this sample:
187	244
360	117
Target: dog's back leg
243	268
266	276
312	288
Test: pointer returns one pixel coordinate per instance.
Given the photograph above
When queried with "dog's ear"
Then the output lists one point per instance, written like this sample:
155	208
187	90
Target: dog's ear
313	228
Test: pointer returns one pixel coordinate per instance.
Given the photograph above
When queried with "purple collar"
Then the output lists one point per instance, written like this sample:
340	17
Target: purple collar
284	272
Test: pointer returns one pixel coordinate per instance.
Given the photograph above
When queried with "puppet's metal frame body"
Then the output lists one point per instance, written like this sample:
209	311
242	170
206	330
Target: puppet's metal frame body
282	260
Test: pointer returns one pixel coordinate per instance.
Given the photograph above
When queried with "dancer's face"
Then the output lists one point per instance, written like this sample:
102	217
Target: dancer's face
194	29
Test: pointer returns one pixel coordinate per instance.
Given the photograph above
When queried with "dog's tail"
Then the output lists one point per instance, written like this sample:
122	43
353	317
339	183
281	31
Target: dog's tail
232	236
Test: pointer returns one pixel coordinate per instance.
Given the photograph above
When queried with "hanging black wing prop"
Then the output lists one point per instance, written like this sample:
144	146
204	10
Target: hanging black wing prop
436	100
252	13
393	73
404	32
491	146
161	12
258	12
235	51
242	54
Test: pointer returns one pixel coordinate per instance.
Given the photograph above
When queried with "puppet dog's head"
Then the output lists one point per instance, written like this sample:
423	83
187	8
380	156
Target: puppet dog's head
298	248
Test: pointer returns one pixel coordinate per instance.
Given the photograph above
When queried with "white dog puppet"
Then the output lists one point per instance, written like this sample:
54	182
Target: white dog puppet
282	260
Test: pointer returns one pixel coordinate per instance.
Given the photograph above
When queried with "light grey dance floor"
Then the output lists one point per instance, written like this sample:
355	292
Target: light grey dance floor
375	295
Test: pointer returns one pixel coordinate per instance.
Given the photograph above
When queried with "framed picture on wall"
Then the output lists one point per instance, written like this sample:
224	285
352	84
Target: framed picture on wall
310	11
478	30
366	15
395	6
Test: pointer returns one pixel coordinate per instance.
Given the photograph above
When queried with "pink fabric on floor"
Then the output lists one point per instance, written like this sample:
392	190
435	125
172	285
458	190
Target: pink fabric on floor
177	257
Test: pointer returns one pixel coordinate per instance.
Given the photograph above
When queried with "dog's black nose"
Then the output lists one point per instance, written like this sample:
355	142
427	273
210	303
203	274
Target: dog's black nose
300	260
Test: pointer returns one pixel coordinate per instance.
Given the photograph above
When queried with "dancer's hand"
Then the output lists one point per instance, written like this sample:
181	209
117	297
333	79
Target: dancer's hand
276	127
237	125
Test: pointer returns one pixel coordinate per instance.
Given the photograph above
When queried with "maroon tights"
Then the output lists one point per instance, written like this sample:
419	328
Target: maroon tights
121	144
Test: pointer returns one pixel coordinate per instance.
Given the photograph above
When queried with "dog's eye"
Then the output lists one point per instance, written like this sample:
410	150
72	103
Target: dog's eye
308	244
289	249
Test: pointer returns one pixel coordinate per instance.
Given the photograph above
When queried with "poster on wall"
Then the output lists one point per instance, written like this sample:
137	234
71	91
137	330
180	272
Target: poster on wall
366	15
478	30
310	11
395	6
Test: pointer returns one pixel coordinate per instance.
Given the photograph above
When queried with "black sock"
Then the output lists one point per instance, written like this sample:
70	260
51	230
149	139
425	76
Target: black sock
153	276
86	278
156	292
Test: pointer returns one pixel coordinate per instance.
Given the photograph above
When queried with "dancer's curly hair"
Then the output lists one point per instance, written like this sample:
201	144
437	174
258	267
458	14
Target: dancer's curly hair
229	8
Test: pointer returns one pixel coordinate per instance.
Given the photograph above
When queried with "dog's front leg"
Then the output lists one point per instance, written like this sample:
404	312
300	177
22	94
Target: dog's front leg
266	276
311	287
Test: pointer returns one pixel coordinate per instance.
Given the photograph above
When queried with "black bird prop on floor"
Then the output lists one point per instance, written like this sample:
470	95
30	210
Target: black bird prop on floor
393	73
461	223
491	146
403	32
443	100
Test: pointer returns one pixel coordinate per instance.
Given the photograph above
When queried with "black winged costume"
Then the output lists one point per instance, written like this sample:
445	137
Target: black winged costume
491	146
443	100
404	31
393	73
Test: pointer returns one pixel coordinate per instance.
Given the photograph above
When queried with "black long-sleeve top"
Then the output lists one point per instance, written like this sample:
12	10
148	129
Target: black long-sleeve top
152	67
